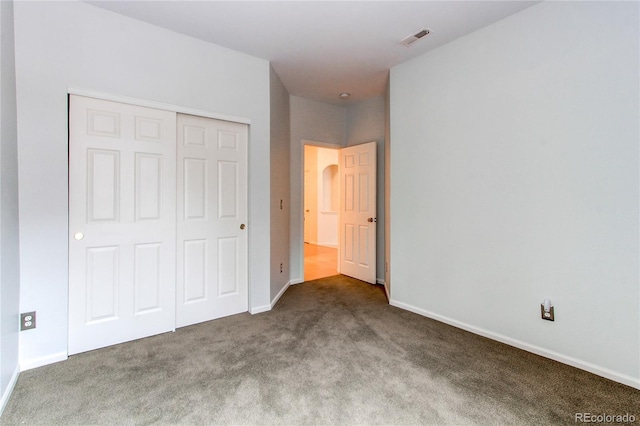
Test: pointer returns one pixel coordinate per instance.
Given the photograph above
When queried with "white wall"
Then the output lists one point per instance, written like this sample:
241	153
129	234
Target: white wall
387	189
327	219
73	44
334	126
317	122
9	248
280	163
366	123
514	164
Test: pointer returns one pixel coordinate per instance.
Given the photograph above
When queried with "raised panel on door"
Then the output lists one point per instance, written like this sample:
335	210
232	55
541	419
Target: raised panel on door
148	186
147	279
364	246
348	243
357	248
194	188
212	205
103	185
228	189
228	254
363	184
100	289
194	279
121	222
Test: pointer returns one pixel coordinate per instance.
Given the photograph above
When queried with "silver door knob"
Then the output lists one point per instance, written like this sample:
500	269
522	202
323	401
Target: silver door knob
242	226
78	236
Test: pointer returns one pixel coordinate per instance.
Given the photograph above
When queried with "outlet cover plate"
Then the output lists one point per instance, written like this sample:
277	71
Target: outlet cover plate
27	321
549	316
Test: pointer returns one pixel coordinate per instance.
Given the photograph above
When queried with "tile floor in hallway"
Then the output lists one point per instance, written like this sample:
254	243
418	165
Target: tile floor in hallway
319	261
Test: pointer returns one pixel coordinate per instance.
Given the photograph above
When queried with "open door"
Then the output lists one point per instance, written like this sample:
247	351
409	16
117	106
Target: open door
357	253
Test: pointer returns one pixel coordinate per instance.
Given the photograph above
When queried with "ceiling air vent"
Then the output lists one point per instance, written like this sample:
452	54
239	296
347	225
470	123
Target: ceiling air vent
408	41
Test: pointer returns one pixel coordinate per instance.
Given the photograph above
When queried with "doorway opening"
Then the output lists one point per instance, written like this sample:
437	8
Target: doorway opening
321	211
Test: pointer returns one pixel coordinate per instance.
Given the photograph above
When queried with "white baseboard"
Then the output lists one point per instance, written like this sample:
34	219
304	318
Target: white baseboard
279	295
259	309
296	281
9	390
45	360
574	362
329	245
380	281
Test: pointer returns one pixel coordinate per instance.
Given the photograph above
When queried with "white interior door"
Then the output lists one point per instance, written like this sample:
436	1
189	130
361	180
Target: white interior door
122	222
358	212
212	277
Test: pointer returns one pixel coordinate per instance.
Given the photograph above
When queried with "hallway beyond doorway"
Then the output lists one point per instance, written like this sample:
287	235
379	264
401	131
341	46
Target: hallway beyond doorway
319	261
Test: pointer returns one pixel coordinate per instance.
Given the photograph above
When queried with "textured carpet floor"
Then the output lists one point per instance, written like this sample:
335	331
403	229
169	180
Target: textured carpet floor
332	351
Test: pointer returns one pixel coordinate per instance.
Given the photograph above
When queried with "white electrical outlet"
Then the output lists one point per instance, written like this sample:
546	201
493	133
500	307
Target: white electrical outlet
27	320
546	310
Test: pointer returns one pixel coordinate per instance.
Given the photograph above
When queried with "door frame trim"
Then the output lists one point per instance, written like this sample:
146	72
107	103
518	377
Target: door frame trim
156	105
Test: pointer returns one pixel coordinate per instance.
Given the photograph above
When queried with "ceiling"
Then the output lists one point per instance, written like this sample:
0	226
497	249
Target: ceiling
320	49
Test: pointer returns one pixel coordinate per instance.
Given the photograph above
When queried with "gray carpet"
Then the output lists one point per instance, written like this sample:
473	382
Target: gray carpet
332	351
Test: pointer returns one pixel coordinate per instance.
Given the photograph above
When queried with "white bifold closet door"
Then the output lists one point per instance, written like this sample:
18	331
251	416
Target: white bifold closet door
122	222
212	212
157	221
